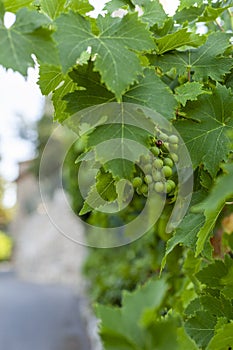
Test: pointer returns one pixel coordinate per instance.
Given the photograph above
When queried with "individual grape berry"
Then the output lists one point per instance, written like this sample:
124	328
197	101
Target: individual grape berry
166	145
174	157
168	187
137	182
159	143
173	139
167	171
144	158
163	136
171	183
155	150
144	188
148	179
147	168
168	161
156	174
158	163
173	147
159	187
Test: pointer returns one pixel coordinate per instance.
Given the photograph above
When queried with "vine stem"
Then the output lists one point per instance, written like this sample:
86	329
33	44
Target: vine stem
219	26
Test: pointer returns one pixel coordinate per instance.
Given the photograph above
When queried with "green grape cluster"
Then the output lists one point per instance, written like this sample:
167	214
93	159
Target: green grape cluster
155	169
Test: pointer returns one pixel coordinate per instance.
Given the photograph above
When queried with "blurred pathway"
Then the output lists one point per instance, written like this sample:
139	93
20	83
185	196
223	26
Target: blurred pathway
44	306
35	317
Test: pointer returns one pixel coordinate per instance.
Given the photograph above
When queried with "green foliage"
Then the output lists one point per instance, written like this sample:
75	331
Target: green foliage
159	62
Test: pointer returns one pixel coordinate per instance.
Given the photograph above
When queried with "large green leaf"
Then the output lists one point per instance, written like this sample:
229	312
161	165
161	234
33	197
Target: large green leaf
58	98
188	92
219	275
185	234
189	3
213	205
14	6
93	92
113	46
103	190
180	38
209	121
52	7
153	12
50	77
151	92
201	327
204	61
126	327
223	339
23	39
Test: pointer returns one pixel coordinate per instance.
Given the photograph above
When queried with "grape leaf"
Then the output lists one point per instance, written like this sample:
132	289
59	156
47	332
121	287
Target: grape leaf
218	275
103	190
52	7
185	234
60	113
210	118
184	341
81	6
213	205
117	37
94	91
223	339
27	21
201	327
114	5
153	12
189	3
188	91
188	14
50	78
24	38
180	38
122	327
210	13
204	61
14	6
216	306
151	92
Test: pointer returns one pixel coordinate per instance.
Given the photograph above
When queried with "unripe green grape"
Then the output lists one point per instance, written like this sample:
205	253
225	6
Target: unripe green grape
173	139
168	187
168	161
155	150
148	179
144	158
156	174
144	188
147	168
163	136
166	145
159	187
171	183
174	157
173	147
167	171
137	182
158	163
